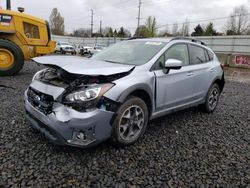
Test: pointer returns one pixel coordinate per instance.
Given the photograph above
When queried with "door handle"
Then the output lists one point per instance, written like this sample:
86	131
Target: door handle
191	73
211	70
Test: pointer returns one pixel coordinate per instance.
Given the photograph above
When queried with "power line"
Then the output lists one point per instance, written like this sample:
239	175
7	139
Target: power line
153	3
196	21
204	20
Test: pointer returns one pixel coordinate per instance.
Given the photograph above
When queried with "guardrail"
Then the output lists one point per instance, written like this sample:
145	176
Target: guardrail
76	41
231	50
228	44
220	44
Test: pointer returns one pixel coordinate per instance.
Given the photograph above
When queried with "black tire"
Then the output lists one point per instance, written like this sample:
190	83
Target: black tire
115	136
207	106
18	58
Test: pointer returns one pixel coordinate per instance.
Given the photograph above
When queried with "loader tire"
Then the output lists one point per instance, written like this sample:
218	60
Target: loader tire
11	58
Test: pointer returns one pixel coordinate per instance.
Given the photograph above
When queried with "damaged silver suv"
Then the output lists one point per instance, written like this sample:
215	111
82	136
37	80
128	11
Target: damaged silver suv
82	102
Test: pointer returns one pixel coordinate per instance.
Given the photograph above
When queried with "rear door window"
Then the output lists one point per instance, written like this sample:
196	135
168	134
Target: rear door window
197	55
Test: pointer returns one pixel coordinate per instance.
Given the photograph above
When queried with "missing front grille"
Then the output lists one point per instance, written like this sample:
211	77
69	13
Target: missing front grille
40	101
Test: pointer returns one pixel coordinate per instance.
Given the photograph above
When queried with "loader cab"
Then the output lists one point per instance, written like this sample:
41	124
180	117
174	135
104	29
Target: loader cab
34	31
22	37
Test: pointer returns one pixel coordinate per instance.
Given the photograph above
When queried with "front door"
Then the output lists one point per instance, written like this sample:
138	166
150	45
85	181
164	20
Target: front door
174	89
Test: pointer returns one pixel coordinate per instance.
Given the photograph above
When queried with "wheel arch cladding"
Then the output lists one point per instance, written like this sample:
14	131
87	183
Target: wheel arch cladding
142	94
220	82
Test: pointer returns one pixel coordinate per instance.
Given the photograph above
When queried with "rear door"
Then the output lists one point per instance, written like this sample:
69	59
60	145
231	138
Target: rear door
175	88
201	69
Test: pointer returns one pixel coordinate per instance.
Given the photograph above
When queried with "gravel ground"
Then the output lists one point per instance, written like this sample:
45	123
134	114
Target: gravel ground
188	148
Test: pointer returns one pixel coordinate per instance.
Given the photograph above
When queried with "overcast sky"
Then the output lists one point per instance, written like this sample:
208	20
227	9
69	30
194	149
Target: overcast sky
117	13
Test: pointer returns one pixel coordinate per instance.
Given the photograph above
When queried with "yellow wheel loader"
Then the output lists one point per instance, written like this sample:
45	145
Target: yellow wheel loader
21	37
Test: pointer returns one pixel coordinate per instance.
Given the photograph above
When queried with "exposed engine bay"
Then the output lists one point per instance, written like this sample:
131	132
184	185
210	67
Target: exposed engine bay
82	92
59	77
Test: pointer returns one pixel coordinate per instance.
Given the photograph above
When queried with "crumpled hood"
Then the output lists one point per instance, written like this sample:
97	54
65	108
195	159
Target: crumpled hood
84	66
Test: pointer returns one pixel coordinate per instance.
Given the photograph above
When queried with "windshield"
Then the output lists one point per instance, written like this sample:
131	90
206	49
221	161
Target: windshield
130	52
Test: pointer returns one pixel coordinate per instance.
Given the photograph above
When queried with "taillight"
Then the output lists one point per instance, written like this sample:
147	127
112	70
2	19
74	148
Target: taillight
222	66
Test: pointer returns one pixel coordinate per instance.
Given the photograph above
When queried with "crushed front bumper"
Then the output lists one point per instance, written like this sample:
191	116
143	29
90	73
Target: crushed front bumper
66	126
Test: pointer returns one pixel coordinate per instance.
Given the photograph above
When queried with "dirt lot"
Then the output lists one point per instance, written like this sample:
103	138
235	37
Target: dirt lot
188	148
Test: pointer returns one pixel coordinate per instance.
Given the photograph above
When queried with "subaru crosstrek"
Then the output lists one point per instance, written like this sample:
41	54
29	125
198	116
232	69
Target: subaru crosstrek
81	102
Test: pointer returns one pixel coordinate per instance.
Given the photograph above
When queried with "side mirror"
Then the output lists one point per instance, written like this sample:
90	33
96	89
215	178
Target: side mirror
173	64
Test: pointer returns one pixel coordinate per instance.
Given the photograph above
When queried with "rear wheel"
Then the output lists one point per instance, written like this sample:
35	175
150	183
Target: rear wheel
131	122
11	58
212	99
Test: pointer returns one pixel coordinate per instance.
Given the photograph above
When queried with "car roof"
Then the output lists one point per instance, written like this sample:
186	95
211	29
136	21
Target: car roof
175	39
166	40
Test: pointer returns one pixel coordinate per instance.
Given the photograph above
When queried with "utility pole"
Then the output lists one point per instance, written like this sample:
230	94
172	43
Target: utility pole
139	17
92	23
101	27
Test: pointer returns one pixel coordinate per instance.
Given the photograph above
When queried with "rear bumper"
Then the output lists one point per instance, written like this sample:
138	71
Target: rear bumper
65	126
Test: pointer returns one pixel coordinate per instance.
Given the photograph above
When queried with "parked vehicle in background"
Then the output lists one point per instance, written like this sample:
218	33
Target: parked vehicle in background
87	50
78	48
97	49
64	48
82	102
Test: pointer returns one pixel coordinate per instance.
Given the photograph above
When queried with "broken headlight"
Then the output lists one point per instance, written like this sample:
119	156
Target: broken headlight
88	97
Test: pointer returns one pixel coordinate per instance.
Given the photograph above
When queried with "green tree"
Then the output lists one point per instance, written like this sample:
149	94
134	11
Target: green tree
210	31
151	27
109	32
115	33
121	33
198	31
56	22
141	31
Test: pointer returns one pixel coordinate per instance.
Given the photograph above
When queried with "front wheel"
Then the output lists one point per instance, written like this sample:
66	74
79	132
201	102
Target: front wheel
131	122
212	99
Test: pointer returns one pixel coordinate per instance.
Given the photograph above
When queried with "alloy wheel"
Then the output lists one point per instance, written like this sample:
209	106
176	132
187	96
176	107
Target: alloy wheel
131	123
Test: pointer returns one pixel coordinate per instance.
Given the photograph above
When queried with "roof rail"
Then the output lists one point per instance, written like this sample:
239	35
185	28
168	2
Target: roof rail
132	38
190	39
